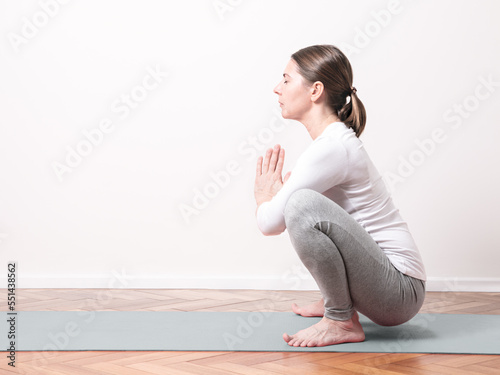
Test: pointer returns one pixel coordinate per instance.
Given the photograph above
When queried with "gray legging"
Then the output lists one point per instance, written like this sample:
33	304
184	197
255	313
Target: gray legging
351	270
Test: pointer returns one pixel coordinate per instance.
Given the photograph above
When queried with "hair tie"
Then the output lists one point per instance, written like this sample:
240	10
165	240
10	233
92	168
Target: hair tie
353	90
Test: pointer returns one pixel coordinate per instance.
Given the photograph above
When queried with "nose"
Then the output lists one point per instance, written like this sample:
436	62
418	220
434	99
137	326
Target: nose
277	89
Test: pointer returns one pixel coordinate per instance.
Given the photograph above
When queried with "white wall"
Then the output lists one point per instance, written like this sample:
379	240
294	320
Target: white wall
114	214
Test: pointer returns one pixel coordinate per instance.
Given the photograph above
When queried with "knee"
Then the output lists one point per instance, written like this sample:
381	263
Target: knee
298	205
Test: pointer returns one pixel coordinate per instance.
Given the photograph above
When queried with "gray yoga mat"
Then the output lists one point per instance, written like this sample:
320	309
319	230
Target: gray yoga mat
240	331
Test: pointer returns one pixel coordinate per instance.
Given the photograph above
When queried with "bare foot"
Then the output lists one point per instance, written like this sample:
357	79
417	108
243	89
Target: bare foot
314	309
328	332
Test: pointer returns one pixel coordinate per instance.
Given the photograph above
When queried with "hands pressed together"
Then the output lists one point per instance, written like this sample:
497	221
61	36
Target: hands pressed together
268	179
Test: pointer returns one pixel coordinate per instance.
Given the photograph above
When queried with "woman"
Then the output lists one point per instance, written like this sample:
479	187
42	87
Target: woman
338	213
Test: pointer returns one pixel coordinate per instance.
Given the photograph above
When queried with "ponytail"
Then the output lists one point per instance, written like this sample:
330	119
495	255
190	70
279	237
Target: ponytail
353	113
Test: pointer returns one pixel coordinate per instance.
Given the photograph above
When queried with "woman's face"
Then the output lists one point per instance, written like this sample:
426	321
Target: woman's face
294	94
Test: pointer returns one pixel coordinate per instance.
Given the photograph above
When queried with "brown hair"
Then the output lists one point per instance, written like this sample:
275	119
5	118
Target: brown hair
327	64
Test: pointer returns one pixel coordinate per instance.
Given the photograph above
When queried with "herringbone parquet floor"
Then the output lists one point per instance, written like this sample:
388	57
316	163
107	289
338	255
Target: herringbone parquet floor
235	363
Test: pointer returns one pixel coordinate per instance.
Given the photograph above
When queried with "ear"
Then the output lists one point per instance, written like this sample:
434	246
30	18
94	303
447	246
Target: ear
317	90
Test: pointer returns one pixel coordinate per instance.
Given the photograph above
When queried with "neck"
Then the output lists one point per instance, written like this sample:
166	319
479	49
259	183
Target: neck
316	124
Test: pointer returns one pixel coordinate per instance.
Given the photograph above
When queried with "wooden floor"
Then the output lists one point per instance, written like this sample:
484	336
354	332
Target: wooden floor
207	363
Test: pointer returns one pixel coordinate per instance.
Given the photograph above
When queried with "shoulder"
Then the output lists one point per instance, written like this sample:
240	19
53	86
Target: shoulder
337	139
338	132
326	154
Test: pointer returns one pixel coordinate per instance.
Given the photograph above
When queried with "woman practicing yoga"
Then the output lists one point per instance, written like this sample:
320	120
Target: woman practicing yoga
339	215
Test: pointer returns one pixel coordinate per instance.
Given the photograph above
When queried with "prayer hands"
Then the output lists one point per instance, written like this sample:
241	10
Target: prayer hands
268	179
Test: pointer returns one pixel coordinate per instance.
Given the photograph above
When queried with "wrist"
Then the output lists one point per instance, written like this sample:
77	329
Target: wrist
263	198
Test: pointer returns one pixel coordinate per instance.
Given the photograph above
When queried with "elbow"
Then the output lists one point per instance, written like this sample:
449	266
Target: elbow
269	225
270	231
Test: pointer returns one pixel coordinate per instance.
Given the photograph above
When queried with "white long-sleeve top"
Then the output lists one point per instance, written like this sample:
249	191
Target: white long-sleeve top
337	165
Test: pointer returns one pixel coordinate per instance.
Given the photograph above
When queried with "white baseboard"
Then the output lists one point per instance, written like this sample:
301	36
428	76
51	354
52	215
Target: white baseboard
463	284
119	279
122	280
